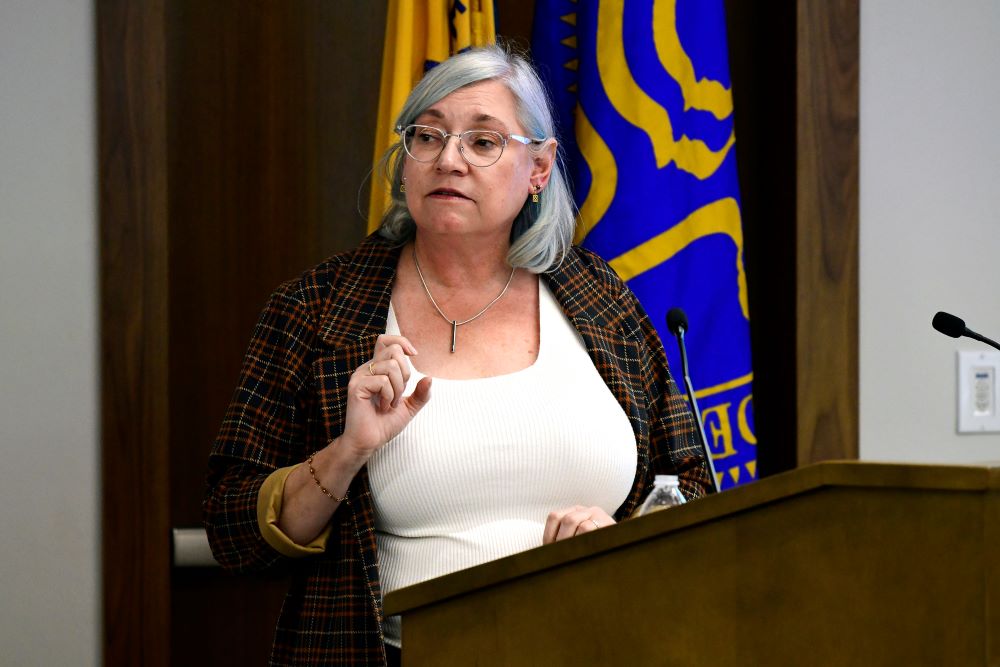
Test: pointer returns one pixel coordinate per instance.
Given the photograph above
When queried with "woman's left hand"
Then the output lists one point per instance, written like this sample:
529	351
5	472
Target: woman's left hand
574	520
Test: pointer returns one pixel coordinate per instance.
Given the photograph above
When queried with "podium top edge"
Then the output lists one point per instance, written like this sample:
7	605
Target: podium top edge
896	475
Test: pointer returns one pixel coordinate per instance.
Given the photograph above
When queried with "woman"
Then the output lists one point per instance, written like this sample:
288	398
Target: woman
552	406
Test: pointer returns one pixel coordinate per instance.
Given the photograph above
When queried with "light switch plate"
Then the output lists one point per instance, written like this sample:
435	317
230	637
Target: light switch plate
978	402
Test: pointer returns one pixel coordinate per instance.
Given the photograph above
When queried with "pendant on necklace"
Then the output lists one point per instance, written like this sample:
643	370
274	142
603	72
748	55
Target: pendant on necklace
455	323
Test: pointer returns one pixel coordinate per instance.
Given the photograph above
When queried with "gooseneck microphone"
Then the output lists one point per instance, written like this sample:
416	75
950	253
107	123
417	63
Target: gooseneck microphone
677	323
955	327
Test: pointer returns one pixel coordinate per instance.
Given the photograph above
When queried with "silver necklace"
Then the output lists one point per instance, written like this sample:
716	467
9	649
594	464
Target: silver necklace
455	324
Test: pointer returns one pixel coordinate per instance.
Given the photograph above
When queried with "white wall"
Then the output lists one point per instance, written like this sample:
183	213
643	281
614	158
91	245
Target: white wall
49	513
930	219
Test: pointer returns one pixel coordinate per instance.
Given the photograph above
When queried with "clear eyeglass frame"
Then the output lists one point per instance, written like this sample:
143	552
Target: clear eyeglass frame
474	160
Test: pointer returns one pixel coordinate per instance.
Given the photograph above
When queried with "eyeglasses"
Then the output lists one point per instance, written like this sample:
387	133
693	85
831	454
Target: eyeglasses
480	148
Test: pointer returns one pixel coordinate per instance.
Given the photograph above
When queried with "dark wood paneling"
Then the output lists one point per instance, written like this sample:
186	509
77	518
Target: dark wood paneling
795	88
134	343
827	229
271	122
234	140
514	19
762	61
219	619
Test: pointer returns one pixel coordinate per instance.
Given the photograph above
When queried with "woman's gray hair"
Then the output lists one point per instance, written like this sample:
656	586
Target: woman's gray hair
541	233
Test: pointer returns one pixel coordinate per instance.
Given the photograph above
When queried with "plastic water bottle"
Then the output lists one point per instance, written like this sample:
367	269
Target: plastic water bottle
666	493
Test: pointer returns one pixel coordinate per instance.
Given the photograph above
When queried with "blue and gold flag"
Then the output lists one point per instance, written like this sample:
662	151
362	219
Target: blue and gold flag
418	35
644	103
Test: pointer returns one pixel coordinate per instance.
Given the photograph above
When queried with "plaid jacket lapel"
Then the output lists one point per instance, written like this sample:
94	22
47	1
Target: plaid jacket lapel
350	324
589	292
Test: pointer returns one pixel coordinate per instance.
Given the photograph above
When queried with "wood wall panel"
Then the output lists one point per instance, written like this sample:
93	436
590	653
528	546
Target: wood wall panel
234	139
271	122
795	88
132	156
827	229
762	57
270	138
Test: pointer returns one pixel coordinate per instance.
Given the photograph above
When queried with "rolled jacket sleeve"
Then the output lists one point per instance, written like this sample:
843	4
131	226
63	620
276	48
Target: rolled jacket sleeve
269	510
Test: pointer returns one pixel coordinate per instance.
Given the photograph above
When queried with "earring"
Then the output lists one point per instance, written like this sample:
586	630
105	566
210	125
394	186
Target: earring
402	185
534	195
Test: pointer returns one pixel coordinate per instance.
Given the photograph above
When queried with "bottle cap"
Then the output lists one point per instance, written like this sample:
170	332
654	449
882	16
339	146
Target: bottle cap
666	480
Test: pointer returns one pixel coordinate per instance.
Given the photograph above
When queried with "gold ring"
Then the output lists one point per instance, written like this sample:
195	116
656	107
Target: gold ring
596	525
371	367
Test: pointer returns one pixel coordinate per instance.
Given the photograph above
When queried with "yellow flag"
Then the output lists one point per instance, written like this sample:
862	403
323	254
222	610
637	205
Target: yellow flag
418	35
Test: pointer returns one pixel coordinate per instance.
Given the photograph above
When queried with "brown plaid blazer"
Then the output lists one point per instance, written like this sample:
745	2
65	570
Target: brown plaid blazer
313	334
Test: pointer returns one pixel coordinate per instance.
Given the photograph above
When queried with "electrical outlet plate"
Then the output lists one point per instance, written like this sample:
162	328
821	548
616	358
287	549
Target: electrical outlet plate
978	389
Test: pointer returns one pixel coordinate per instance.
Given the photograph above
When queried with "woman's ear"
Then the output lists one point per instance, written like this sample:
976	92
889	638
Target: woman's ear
544	159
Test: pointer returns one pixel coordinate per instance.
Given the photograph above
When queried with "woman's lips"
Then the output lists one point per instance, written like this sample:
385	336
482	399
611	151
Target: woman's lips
448	194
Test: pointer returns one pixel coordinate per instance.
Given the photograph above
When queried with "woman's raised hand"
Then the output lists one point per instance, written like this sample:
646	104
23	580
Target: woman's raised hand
376	413
376	408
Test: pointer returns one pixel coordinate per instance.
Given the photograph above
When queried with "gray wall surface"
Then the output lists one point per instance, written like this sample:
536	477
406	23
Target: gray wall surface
930	219
49	493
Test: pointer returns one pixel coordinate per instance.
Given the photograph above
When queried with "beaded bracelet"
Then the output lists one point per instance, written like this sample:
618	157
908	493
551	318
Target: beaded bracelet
312	471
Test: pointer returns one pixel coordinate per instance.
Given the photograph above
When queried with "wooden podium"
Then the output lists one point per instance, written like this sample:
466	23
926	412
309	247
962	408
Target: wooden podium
833	564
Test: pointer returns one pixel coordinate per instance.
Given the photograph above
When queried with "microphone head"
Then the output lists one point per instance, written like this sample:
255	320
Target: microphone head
677	321
949	325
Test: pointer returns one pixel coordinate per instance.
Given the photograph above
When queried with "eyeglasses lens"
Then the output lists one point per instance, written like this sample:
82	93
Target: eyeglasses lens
480	148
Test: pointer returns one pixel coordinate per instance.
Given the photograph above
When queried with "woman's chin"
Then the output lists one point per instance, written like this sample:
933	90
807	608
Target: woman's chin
449	224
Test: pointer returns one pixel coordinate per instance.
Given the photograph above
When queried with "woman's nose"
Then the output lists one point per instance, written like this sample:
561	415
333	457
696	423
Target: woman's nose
451	158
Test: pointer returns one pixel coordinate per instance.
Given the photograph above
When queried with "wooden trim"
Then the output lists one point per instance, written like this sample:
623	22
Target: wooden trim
762	53
827	229
133	258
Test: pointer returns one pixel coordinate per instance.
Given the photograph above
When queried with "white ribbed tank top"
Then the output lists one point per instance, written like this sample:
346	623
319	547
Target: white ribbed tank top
474	475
